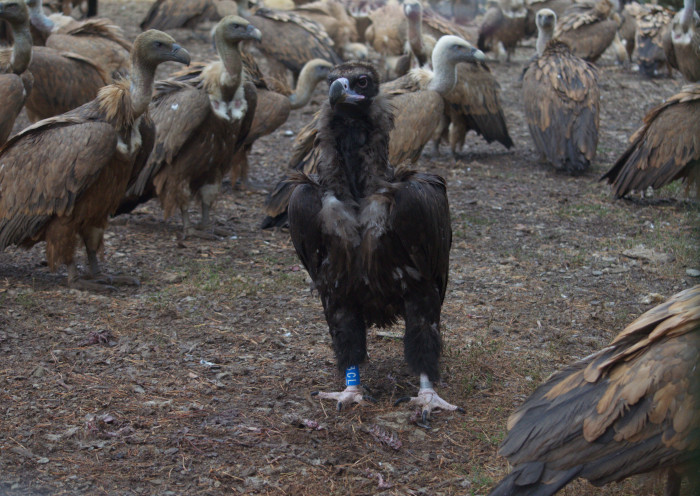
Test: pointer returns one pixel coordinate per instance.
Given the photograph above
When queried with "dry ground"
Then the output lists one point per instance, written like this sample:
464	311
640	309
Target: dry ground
199	381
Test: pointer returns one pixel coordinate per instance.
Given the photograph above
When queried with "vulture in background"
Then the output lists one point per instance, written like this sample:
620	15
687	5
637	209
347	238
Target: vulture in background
588	33
683	42
15	80
289	39
275	100
354	229
202	118
652	24
562	101
172	14
94	39
62	177
664	149
418	104
632	407
504	24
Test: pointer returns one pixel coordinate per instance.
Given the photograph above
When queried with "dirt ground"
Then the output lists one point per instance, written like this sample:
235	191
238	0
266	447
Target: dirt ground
199	381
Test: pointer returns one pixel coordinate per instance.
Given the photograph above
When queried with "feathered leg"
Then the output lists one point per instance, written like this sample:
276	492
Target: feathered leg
349	335
422	347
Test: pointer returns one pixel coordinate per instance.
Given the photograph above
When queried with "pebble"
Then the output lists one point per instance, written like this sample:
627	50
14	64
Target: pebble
693	272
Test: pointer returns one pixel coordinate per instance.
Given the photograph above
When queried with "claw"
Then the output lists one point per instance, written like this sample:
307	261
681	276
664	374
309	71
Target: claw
428	400
351	394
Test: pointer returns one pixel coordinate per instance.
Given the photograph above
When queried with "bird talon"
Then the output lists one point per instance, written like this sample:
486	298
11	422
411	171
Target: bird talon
369	398
339	406
402	400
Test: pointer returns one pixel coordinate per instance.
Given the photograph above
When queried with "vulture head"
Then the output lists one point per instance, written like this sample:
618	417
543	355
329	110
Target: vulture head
546	20
153	47
14	11
450	50
353	86
413	10
232	29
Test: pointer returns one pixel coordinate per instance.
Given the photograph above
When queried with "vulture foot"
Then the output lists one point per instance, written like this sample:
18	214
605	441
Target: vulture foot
351	394
428	400
116	280
90	285
203	232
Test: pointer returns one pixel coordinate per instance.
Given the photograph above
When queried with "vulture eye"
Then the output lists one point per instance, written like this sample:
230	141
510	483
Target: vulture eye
363	81
158	44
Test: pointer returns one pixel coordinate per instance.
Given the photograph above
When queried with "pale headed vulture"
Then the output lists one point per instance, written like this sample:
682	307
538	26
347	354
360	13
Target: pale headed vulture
632	407
62	177
665	148
354	229
202	117
15	80
683	42
562	101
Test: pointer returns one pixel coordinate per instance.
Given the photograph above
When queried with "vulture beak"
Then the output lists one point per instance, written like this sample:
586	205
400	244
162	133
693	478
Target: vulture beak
179	54
253	32
478	54
340	92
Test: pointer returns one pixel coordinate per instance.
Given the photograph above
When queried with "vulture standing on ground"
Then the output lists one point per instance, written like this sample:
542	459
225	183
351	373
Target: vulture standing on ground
338	23
631	408
94	39
562	101
171	14
354	228
274	103
15	79
418	106
683	46
202	117
505	23
664	149
62	177
588	33
289	39
652	24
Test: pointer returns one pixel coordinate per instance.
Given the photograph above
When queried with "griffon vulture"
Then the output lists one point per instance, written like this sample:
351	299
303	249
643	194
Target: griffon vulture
354	229
665	148
171	14
562	101
15	80
62	177
338	23
419	106
505	23
652	23
683	42
289	39
632	407
590	32
202	118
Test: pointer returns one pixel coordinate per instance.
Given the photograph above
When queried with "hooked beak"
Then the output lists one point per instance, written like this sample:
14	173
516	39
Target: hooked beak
253	33
340	92
478	54
179	54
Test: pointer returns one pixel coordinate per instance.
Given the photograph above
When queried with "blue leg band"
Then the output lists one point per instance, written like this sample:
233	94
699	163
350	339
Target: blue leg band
352	376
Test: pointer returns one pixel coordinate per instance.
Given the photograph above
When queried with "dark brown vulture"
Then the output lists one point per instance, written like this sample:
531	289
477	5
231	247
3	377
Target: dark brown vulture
97	40
631	408
288	38
202	118
665	148
419	106
504	24
274	103
62	177
562	101
652	23
170	14
353	228
683	44
588	33
15	80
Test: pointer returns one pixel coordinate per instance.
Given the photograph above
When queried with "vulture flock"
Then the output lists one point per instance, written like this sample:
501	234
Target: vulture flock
106	136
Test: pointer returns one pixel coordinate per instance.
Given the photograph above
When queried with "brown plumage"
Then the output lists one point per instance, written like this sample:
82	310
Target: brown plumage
202	117
62	177
631	408
418	109
171	14
97	40
336	20
682	43
588	33
290	39
562	102
665	148
506	23
652	23
15	81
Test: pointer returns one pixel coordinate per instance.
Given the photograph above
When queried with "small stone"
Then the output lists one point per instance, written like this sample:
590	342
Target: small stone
693	272
43	460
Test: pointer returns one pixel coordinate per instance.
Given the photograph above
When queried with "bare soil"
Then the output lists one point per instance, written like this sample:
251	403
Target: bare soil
199	380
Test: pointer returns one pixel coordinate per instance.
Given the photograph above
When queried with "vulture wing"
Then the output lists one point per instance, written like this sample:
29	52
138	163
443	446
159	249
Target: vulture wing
12	95
169	14
417	116
631	408
561	105
665	148
45	170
